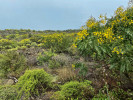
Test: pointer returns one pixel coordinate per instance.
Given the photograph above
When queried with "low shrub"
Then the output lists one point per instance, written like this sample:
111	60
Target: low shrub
7	44
74	90
25	42
114	94
33	83
54	64
44	57
7	93
72	50
33	44
82	68
57	42
66	74
11	36
12	63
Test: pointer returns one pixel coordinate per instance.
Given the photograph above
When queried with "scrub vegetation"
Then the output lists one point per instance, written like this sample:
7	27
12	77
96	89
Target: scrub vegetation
93	63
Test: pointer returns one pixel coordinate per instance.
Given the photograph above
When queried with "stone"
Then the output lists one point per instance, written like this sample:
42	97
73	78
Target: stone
10	82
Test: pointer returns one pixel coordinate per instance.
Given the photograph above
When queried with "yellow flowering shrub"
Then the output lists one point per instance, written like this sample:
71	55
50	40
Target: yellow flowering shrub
25	42
91	22
6	44
118	51
109	39
58	42
82	34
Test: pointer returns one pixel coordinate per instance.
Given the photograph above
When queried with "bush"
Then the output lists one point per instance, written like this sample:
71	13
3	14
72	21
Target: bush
7	93
33	83
54	64
109	39
82	69
12	63
75	90
57	42
33	44
66	74
115	94
73	50
44	57
25	42
11	36
7	44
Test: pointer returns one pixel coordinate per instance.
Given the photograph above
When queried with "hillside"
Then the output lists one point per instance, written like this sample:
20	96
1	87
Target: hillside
94	63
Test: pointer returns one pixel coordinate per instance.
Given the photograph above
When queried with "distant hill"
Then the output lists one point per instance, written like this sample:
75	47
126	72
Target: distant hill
26	31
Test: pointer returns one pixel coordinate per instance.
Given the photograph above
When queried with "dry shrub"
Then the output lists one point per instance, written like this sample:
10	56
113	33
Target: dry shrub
66	74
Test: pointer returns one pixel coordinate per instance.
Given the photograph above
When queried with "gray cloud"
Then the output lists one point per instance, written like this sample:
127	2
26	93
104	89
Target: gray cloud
53	14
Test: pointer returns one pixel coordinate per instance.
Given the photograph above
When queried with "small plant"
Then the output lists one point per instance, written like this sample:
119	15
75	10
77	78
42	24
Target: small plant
73	90
44	57
82	68
54	64
33	83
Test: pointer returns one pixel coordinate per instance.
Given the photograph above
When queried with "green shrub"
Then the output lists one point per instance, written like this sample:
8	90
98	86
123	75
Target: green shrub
115	94
11	36
75	90
44	57
72	51
57	42
36	38
33	83
25	42
12	62
33	44
7	93
54	64
64	45
7	44
82	68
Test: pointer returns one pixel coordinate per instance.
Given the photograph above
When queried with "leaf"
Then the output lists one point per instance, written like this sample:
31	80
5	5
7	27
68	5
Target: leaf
122	68
98	50
113	66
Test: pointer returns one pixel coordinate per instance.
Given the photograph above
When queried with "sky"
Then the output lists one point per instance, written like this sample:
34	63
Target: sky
53	14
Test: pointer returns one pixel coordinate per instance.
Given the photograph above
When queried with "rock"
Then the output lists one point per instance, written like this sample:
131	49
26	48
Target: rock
54	79
31	60
10	82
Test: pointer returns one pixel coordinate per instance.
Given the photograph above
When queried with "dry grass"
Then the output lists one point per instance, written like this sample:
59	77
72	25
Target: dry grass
66	74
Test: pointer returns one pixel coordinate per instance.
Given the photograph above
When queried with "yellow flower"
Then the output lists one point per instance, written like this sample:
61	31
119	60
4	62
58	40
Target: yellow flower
118	51
103	21
74	45
81	35
73	66
119	11
131	22
91	22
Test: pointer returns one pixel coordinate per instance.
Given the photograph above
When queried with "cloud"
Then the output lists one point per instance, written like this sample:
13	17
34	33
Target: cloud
53	14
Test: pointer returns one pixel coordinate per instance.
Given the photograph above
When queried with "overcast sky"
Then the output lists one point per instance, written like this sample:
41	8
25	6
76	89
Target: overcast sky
53	14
